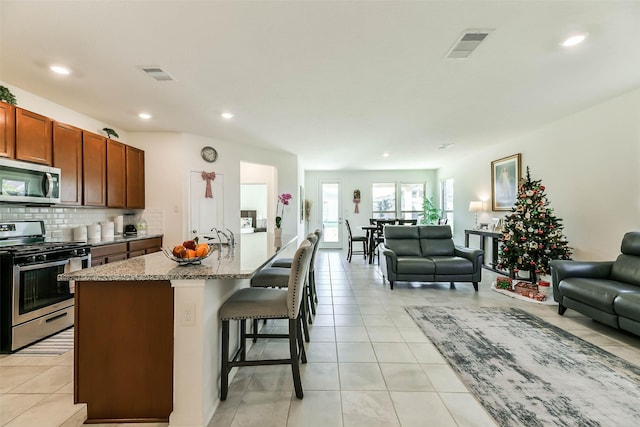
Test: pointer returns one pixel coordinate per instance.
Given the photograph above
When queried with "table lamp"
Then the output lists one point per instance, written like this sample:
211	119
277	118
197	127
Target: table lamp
476	206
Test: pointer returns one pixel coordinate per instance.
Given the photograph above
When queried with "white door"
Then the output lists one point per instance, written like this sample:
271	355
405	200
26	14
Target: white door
331	218
205	214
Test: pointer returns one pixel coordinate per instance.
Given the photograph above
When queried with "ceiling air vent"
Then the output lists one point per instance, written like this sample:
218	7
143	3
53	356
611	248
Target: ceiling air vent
469	41
157	73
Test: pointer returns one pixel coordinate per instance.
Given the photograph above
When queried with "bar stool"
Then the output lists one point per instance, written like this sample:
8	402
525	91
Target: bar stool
311	284
278	277
263	303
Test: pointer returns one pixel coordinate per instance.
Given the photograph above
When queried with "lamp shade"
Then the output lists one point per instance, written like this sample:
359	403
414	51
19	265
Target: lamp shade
475	206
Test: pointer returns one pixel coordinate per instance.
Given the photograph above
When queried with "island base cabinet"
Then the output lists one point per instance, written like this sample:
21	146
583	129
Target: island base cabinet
123	361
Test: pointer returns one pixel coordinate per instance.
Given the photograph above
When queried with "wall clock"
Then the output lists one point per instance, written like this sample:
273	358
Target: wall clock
209	154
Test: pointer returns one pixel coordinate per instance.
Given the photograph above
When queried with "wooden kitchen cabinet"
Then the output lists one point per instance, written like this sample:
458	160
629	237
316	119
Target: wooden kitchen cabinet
123	352
67	155
145	246
7	130
34	139
105	254
94	169
135	177
116	174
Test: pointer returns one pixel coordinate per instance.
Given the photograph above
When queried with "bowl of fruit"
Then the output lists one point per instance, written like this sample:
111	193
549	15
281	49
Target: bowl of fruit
189	252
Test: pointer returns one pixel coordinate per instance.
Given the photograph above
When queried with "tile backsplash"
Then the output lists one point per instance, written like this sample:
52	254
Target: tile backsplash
60	221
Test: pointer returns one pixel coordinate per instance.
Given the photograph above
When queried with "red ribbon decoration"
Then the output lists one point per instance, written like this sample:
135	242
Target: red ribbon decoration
208	194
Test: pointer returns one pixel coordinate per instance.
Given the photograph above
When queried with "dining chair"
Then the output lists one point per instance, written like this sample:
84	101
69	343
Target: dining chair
352	239
407	222
379	234
263	303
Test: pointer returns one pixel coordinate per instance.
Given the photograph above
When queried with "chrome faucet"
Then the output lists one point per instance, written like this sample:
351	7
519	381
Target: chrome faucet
232	238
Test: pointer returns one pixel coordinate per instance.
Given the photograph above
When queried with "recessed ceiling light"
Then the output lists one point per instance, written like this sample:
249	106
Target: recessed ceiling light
574	40
445	146
145	116
59	69
386	154
227	116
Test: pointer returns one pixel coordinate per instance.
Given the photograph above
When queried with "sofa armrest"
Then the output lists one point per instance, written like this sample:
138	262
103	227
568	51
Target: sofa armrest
390	258
476	256
562	269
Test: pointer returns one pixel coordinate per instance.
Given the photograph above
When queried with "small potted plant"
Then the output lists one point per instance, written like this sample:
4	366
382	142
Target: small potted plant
7	96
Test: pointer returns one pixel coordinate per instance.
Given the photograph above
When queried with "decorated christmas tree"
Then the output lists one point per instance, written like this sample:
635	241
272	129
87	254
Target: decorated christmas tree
532	234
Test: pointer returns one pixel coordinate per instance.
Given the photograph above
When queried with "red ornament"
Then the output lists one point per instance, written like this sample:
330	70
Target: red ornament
542	187
540	246
523	238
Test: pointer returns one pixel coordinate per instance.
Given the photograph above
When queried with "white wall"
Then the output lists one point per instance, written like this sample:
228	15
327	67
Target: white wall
588	162
361	180
170	157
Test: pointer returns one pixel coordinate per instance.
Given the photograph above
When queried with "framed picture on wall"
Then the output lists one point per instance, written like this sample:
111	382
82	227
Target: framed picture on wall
505	175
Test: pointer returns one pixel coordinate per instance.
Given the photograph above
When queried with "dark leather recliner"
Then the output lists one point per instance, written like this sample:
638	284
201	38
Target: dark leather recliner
426	253
607	291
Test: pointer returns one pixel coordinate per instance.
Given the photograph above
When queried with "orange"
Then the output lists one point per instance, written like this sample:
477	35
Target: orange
189	253
178	251
202	249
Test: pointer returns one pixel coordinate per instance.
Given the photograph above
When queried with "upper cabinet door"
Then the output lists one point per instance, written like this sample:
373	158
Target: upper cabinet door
33	137
116	175
67	155
135	178
7	130
94	169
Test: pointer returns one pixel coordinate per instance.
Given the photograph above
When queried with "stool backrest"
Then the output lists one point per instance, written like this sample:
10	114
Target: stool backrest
316	245
298	276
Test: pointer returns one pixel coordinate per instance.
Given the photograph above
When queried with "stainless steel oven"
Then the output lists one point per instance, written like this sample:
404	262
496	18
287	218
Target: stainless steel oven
33	303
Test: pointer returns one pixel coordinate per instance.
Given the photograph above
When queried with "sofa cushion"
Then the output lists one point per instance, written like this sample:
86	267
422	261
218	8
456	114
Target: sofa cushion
628	305
402	239
631	243
415	265
596	293
454	265
435	231
626	268
437	247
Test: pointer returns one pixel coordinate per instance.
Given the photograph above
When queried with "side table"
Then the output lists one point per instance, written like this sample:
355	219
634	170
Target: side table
495	240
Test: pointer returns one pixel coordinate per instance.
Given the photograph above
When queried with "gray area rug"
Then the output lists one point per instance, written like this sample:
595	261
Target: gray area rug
527	372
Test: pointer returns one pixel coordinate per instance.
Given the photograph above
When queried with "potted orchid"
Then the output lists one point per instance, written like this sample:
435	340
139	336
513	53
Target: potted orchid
284	199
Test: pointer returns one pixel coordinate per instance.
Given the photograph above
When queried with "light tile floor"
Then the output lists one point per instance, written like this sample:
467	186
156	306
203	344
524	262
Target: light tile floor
368	363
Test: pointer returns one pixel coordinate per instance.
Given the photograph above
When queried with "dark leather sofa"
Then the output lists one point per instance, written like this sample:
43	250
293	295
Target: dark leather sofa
426	253
608	291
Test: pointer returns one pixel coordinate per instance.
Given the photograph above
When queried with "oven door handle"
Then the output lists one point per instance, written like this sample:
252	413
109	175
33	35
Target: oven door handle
42	265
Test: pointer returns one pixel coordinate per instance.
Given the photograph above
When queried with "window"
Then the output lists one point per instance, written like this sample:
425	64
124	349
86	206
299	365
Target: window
446	200
384	200
411	200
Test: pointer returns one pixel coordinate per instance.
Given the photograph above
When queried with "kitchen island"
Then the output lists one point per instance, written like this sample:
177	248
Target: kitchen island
147	332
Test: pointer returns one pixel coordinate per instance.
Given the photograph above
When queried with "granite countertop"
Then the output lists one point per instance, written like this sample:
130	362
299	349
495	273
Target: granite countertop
252	252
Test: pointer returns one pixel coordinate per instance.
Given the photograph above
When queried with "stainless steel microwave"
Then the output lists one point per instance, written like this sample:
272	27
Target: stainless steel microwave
28	182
